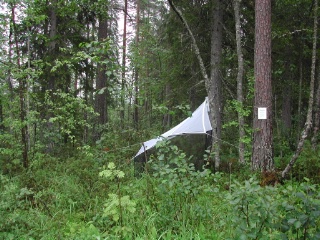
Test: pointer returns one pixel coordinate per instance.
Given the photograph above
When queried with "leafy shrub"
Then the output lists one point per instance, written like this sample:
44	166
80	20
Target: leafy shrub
275	212
255	209
301	208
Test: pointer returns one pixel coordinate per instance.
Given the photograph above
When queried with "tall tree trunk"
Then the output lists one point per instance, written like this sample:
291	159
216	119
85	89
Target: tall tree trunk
239	80
101	81
308	123
27	87
51	77
262	155
214	91
22	92
9	73
124	52
136	72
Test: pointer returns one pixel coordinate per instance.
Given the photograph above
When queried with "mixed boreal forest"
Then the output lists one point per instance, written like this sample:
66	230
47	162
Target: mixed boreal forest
84	82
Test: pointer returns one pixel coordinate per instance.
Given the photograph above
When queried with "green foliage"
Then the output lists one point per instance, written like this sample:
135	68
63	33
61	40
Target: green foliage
10	153
117	207
175	197
307	165
67	114
177	175
288	212
81	231
50	200
163	109
302	211
256	210
233	108
111	173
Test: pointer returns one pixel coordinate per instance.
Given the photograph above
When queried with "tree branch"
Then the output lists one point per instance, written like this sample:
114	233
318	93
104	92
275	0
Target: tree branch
194	42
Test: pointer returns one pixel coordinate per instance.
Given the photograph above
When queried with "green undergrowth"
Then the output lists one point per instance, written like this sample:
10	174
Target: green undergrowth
97	196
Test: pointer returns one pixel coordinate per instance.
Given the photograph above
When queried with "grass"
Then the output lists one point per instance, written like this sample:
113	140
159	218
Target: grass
65	199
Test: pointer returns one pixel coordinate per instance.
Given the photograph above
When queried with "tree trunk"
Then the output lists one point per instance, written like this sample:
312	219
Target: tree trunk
136	73
262	155
214	90
124	50
308	123
101	82
239	80
9	74
22	92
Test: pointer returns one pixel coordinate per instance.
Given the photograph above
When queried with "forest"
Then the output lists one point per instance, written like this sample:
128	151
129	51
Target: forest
85	82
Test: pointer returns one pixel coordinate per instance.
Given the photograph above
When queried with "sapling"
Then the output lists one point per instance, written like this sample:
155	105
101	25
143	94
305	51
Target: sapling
116	205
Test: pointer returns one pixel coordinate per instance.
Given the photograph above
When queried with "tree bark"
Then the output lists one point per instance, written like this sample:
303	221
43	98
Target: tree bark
124	51
308	123
239	80
214	88
262	155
